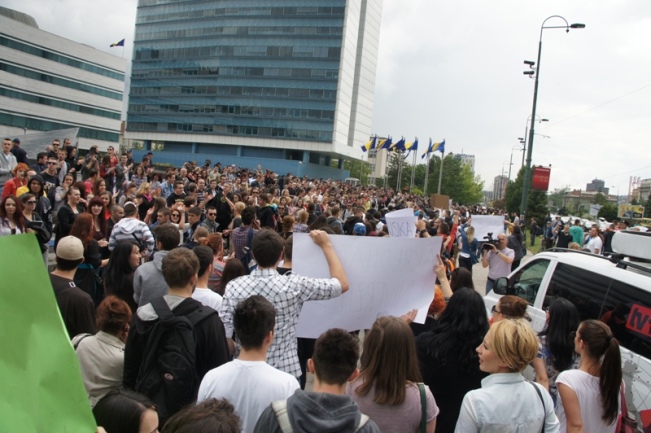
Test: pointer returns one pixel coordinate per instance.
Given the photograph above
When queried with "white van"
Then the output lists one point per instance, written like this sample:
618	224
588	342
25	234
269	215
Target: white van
615	290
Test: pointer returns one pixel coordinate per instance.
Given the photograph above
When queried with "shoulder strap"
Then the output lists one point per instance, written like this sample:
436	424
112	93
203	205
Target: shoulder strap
423	407
543	403
249	238
161	308
79	340
280	409
362	422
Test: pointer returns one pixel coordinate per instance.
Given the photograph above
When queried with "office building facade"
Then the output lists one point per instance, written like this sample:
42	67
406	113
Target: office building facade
243	82
50	83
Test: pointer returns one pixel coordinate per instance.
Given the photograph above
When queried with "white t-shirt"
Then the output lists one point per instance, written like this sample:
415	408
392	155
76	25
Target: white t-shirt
250	386
586	388
208	298
594	244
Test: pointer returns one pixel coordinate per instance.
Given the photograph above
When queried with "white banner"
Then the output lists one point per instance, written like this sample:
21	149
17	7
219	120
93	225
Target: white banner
388	276
402	223
485	224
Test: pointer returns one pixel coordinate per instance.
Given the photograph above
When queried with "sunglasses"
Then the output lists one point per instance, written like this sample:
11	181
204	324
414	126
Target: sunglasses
52	163
31	202
176	215
212	214
495	310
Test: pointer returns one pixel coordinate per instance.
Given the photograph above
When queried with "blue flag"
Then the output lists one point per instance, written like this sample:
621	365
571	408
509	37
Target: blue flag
370	145
384	144
398	146
428	150
441	146
117	44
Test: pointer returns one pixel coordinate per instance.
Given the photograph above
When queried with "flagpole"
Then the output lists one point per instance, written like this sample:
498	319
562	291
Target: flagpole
413	169
399	174
426	174
441	172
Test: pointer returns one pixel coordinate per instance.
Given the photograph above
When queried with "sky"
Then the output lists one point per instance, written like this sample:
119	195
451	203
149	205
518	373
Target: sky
453	71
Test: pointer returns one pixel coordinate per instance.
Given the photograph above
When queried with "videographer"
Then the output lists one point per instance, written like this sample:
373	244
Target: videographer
498	259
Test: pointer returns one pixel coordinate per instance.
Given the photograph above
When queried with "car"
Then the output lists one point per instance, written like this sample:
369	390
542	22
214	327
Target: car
614	289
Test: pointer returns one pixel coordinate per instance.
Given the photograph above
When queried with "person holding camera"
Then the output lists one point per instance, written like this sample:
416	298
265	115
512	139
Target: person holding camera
498	259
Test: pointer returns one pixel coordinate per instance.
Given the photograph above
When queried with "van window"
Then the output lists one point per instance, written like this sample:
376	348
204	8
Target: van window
527	280
583	288
627	310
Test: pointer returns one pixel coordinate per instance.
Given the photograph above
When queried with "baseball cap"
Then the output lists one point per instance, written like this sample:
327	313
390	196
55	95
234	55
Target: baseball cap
16	140
359	229
70	248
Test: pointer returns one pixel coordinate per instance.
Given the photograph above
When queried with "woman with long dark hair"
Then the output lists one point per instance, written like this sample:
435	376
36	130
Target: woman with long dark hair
126	411
448	361
590	396
556	351
100	224
517	243
87	277
118	274
12	221
232	269
387	388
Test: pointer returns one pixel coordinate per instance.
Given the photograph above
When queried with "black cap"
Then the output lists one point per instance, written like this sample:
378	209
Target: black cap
15	140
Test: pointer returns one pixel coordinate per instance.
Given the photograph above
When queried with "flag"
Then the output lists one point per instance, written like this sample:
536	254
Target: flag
440	146
118	44
411	146
428	150
384	144
398	146
370	145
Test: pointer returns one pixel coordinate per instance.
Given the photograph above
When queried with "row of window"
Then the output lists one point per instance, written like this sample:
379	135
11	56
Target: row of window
241	31
304	134
236	71
35	99
328	95
193	53
175	14
59	58
9	119
47	78
274	112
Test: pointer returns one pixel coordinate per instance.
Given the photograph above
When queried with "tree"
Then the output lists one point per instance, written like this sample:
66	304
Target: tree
600	199
358	169
647	208
608	212
634	201
458	182
537	200
556	196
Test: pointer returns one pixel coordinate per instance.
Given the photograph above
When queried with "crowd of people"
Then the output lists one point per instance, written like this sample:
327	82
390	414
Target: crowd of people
177	292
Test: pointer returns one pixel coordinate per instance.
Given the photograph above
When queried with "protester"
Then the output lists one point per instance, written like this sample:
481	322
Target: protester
101	356
119	272
506	401
232	270
75	305
556	351
125	411
68	212
210	416
194	354
388	388
287	293
201	292
87	276
509	307
148	280
248	381
448	361
326	408
590	396
12	221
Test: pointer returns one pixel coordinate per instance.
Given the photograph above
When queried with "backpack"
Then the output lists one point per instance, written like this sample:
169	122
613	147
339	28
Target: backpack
248	261
168	374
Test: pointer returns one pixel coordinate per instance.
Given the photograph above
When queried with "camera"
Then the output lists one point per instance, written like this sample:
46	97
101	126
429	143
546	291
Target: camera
490	241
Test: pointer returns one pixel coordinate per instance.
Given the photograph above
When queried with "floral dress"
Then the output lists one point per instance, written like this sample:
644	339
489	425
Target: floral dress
552	373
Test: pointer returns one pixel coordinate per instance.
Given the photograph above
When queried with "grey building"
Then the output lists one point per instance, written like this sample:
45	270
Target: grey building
288	85
49	83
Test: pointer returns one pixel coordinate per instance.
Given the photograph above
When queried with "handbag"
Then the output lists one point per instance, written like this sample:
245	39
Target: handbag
423	408
625	424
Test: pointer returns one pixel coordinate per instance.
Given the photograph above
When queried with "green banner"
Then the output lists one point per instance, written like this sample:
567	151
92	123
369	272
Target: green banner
41	389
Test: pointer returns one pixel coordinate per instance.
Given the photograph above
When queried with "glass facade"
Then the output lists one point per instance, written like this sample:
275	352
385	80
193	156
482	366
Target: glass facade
240	68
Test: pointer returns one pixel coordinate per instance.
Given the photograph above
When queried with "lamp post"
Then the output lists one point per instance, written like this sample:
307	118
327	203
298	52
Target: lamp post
536	70
521	149
523	140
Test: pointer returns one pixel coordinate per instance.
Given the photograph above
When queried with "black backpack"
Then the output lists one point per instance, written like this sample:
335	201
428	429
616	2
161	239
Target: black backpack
168	373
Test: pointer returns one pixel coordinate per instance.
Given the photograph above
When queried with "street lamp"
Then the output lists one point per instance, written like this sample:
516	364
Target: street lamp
521	149
523	140
535	70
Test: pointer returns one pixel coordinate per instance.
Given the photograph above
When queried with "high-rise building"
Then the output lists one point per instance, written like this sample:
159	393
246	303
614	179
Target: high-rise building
468	160
597	185
499	187
51	83
288	85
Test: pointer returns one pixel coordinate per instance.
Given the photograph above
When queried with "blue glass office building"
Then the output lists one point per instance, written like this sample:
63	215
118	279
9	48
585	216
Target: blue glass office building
285	84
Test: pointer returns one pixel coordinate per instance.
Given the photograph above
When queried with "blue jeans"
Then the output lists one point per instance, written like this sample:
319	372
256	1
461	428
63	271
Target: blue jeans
489	285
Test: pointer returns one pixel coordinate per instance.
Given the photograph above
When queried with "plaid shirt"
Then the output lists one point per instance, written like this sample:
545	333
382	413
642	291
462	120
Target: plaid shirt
239	238
287	293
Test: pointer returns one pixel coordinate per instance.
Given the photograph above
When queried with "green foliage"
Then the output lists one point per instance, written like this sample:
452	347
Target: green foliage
537	200
600	199
634	202
647	208
556	196
458	182
358	169
608	211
